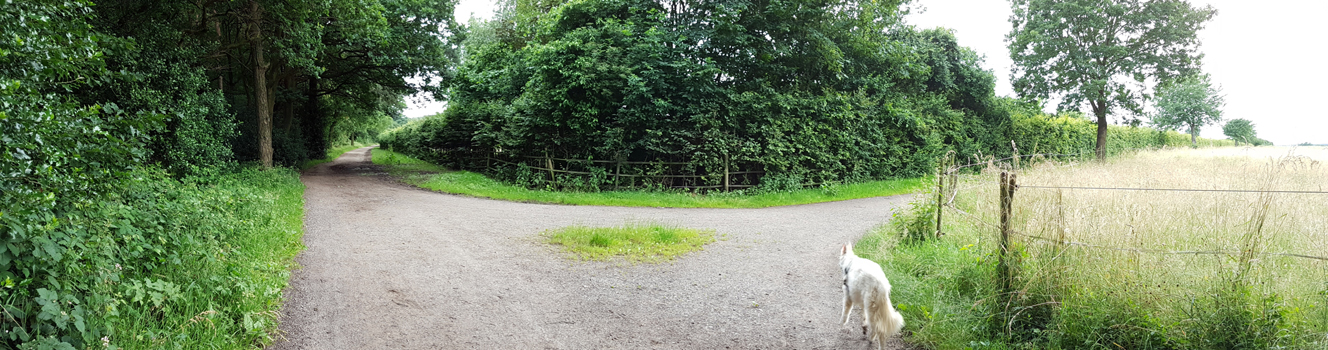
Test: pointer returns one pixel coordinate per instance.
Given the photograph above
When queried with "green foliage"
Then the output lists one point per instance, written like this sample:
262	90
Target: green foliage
432	177
942	287
1237	318
1107	321
1191	102
916	222
163	77
98	249
200	261
834	94
1240	130
346	130
58	158
332	154
1087	51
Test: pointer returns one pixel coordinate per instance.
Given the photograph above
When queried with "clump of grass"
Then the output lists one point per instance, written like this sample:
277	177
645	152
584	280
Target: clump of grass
425	175
1126	269
638	242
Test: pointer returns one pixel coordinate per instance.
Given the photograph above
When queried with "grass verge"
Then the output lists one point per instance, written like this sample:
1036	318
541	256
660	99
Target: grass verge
209	261
1121	269
332	154
423	174
638	242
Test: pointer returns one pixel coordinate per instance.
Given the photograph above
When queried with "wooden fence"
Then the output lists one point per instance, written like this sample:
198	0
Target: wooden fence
621	174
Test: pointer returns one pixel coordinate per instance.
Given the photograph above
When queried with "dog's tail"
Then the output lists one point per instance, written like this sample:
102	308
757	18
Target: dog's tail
885	321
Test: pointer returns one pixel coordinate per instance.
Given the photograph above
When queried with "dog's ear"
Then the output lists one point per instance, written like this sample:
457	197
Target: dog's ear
845	249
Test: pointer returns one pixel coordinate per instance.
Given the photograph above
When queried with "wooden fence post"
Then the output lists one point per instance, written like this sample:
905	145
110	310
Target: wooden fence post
548	162
940	193
1016	154
1007	198
726	173
1060	222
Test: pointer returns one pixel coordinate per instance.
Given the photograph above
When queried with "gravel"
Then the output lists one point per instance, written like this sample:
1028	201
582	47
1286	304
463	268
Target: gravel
393	266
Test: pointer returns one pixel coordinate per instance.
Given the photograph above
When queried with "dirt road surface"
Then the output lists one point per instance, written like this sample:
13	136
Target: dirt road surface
389	266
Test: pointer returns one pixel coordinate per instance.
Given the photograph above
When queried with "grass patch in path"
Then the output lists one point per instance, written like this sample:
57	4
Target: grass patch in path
638	242
423	174
332	154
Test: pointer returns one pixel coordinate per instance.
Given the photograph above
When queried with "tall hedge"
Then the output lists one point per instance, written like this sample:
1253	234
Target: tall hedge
813	90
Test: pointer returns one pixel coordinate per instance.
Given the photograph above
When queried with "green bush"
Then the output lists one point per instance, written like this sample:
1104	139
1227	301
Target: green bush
202	261
97	248
198	126
826	97
157	262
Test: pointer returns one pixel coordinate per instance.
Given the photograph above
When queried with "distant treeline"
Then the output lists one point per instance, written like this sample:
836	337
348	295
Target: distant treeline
808	90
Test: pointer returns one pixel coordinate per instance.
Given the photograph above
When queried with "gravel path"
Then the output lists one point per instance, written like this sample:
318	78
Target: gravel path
389	266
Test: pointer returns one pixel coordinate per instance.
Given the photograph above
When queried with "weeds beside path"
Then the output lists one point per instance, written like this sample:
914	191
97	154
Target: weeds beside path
392	266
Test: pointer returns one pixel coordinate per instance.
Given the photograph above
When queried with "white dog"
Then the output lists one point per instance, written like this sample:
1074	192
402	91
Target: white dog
865	286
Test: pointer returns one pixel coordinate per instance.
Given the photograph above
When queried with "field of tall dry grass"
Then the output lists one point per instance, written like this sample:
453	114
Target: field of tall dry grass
1115	268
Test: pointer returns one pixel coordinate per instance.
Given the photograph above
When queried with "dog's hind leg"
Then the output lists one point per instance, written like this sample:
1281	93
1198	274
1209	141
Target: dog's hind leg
867	302
848	306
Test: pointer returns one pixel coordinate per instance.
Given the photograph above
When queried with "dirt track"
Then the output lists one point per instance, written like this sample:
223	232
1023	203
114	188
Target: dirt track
393	267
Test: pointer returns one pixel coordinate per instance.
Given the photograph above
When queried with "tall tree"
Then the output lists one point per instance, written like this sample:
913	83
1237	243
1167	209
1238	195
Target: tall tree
1102	53
1191	103
1240	130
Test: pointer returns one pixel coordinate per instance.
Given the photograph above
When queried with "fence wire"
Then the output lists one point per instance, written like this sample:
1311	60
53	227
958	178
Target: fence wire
1045	155
1169	189
979	220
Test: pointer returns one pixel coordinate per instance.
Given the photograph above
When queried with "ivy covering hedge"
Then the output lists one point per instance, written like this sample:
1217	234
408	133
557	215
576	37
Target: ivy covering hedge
814	91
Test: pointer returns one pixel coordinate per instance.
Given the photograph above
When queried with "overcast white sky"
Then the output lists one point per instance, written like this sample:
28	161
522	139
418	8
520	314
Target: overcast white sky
1268	57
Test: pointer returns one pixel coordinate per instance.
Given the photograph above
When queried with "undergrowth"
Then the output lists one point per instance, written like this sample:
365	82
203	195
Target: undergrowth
423	174
204	263
638	242
159	263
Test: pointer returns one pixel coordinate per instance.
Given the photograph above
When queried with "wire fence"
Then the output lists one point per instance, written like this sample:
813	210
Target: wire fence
1126	238
977	220
1170	189
947	173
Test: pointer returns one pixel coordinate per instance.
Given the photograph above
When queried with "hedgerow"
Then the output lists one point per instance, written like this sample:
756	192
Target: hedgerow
825	95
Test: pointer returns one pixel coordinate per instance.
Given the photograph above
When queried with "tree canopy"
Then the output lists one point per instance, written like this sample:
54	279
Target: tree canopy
754	85
1102	54
112	109
1191	102
1240	130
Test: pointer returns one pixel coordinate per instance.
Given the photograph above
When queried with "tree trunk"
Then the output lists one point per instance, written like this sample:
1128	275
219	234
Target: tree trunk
1100	111
261	98
1194	138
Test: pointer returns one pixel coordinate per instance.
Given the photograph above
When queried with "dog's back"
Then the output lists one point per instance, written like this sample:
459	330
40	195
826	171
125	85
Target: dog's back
865	285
